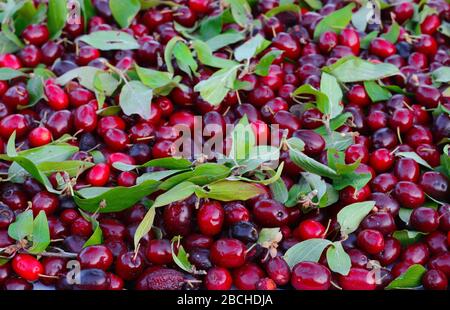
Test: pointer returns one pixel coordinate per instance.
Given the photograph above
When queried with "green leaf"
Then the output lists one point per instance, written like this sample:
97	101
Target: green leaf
309	164
157	175
7	27
441	74
110	40
168	52
84	75
124	11
217	86
376	92
408	237
241	12
335	21
153	78
353	69
88	11
22	227
415	157
9	74
230	191
35	88
114	199
361	17
338	260
205	56
263	66
251	48
6	45
267	236
72	167
177	193
445	161
306	251
135	98
445	28
243	140
185	60
211	26
314	4
352	215
335	123
97	157
26	16
393	34
405	214
224	39
330	87
365	42
38	155
316	183
283	8
105	83
166	163
181	257
56	19
279	191
41	234
338	140
411	278
144	226
97	234
23	162
322	101
208	173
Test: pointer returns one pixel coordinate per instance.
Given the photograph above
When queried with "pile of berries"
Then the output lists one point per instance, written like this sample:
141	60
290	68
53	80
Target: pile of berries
394	130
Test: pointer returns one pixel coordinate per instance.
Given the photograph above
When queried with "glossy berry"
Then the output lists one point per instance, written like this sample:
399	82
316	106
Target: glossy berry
371	241
129	265
403	12
159	252
46	202
39	136
27	267
309	229
435	280
358	279
435	184
310	276
96	256
36	34
407	169
409	195
382	48
218	278
228	253
57	98
424	219
98	175
278	270
210	218
381	160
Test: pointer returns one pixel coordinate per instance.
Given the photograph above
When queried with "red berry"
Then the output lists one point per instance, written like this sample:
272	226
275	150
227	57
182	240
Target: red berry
228	253
310	276
39	136
27	267
218	278
309	229
210	218
98	175
358	279
371	241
